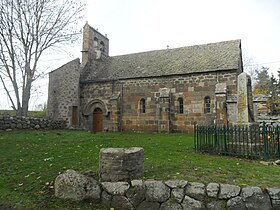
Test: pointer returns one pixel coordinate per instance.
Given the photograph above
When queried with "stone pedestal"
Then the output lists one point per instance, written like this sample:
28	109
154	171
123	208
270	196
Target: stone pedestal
121	164
246	140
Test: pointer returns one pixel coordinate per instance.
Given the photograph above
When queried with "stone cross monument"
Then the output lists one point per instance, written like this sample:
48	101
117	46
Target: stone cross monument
245	115
245	112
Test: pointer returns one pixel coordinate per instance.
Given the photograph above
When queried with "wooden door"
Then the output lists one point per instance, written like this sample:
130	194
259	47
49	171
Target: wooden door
97	120
74	116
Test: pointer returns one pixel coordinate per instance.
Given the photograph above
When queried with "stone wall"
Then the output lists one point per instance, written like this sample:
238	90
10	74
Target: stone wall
121	164
261	112
165	195
121	100
63	93
12	123
93	44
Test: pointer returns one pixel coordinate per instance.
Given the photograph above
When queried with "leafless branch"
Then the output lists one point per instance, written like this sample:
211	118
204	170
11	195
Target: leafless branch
27	29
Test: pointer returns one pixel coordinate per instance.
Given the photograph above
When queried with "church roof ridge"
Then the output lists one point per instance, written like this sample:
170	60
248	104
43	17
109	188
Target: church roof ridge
225	55
188	46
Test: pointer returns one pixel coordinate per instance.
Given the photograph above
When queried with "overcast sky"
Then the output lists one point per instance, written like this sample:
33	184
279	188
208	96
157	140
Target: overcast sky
143	25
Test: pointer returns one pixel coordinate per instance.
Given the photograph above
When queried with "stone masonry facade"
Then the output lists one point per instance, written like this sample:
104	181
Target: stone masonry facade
157	91
121	100
64	91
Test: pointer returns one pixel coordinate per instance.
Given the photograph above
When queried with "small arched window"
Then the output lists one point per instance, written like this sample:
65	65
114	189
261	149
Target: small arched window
95	42
207	104
102	47
142	106
180	106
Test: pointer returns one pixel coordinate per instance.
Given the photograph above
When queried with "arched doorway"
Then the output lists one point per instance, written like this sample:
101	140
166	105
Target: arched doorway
97	120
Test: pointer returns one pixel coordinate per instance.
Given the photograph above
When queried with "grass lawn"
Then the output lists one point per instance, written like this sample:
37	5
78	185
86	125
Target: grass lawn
31	160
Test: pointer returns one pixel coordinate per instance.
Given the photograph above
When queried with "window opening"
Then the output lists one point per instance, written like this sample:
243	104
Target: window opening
142	106
180	105
207	104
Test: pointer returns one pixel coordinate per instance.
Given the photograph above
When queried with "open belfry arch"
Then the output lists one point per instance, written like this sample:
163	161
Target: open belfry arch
157	91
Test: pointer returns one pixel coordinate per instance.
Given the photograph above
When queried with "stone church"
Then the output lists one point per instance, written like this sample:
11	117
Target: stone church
157	91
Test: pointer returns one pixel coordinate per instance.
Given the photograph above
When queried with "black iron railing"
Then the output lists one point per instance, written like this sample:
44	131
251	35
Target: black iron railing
250	141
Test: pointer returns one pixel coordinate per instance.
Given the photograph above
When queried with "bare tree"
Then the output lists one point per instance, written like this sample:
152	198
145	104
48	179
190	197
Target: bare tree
27	29
250	68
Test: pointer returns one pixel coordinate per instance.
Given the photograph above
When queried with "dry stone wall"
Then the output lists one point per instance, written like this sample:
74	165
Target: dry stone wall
165	195
8	123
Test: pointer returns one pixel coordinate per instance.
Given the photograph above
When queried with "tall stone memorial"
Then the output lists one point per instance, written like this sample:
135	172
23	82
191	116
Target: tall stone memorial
245	110
245	142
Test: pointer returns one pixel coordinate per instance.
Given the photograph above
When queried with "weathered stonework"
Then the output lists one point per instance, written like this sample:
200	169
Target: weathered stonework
156	191
95	45
196	190
156	91
220	108
75	186
245	108
63	100
121	164
123	112
168	195
212	190
8	123
228	191
274	194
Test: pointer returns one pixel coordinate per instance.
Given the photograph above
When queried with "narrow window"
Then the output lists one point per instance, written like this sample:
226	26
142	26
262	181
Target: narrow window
207	104
102	48
180	105
95	42
142	106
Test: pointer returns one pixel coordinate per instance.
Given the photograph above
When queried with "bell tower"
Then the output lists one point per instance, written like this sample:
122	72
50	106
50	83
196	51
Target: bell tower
95	44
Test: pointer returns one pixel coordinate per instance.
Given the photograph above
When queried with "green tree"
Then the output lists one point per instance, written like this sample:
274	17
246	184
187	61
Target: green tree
273	96
270	86
278	84
262	81
277	95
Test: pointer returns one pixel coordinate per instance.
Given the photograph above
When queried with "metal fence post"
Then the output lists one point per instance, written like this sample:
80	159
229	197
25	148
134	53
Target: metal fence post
264	137
195	136
261	141
277	140
225	131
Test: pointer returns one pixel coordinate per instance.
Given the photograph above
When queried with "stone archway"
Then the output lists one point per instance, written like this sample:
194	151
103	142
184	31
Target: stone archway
94	115
97	120
92	105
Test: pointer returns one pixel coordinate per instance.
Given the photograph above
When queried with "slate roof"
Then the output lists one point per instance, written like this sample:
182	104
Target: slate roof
193	59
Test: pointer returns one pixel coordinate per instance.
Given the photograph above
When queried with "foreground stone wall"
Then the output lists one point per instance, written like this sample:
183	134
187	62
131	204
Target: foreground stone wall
165	195
12	123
